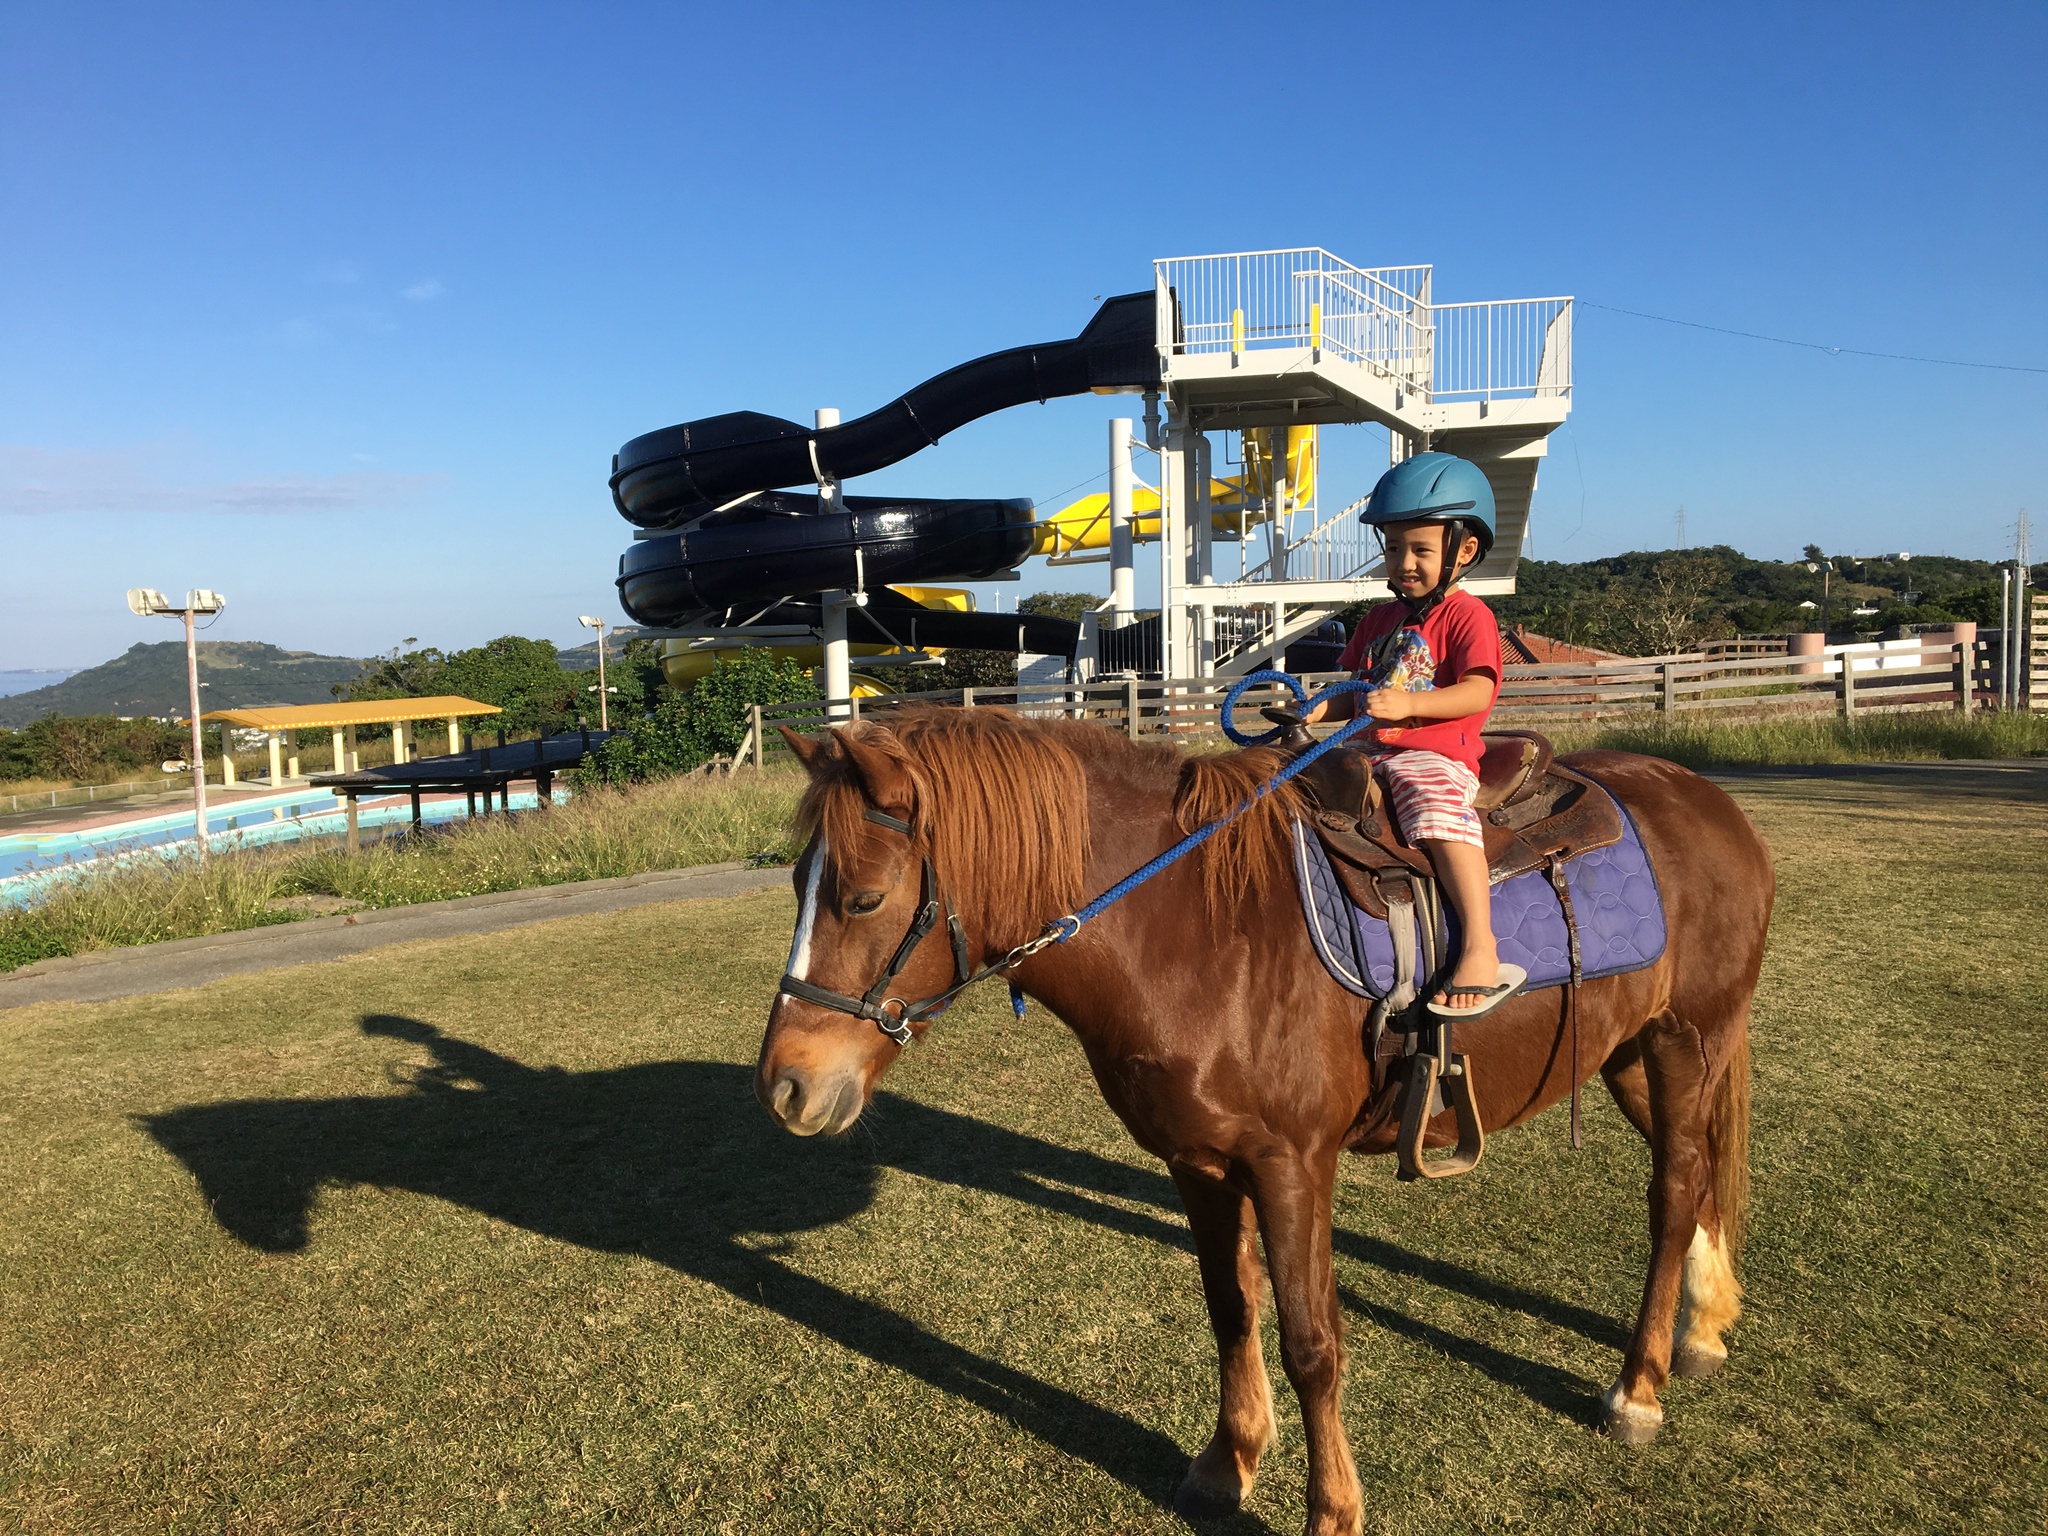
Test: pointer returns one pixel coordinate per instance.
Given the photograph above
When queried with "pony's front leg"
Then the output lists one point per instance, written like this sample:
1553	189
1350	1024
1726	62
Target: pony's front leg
1226	1245
1292	1193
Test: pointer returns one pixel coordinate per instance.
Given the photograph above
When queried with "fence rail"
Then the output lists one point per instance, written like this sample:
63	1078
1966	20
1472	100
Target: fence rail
1843	680
92	794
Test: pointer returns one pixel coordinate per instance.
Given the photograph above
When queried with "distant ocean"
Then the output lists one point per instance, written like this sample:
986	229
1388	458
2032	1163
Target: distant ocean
24	680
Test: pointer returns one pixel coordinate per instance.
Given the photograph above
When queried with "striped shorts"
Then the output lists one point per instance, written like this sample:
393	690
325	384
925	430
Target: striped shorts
1432	796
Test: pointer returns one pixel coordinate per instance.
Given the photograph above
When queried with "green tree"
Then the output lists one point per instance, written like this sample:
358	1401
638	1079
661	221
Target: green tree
686	730
1059	605
524	678
89	748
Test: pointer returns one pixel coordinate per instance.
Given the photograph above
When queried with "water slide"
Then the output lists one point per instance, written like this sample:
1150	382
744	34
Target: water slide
727	542
1237	504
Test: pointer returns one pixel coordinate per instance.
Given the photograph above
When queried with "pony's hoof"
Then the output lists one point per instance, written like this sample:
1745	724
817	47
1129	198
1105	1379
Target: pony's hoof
1629	1423
1199	1499
1696	1362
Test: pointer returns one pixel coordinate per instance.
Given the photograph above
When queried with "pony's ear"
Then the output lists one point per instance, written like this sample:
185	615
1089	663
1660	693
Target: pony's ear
881	772
808	749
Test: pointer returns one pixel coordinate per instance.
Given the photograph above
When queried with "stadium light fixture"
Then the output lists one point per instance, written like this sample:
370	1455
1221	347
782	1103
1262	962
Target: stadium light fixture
147	602
604	717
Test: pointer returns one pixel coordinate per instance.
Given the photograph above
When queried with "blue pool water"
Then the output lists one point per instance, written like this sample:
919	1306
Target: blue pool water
29	860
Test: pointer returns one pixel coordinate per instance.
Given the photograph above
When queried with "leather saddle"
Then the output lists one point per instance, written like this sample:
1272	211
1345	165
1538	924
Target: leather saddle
1533	811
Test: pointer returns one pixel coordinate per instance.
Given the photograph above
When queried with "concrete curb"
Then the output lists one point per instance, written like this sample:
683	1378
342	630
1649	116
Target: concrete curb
177	963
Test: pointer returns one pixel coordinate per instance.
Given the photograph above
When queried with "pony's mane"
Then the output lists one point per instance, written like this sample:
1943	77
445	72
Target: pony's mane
999	802
1000	799
1247	860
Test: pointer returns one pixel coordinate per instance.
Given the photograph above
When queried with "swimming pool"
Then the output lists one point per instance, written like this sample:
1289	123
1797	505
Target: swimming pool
29	860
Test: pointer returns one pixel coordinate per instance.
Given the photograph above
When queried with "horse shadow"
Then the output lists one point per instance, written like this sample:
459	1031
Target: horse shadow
674	1162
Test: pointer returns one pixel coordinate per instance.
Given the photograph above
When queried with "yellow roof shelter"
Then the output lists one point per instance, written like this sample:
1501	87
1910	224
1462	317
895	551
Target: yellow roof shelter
335	716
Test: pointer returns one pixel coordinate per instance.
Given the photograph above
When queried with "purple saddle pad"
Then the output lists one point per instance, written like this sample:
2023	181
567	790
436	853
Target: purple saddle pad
1614	896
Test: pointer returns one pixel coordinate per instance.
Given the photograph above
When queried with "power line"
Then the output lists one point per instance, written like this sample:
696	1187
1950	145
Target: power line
1814	346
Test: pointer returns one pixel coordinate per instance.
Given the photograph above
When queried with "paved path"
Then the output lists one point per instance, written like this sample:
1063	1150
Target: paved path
179	963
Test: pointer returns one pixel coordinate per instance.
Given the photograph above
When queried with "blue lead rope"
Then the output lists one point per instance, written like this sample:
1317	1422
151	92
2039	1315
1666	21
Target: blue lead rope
1062	929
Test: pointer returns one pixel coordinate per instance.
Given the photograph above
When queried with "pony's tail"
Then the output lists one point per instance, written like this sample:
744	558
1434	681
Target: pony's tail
1728	1140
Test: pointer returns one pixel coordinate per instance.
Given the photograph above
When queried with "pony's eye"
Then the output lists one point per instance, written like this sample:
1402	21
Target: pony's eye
864	903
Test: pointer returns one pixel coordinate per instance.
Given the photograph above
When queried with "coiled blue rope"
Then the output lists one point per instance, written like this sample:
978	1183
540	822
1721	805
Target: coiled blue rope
1064	928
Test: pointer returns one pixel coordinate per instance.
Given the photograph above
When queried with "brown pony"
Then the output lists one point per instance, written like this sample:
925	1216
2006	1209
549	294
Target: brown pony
1222	1043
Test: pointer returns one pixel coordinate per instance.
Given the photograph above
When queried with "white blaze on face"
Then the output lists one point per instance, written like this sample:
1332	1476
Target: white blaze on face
807	915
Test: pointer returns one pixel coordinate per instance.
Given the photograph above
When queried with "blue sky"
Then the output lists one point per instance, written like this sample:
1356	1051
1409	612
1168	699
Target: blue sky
343	310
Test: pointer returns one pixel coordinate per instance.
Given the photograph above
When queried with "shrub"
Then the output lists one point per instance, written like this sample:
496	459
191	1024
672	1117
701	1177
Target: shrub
690	729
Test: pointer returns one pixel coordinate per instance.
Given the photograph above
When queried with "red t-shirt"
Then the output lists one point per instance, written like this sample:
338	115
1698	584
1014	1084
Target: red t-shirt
1458	637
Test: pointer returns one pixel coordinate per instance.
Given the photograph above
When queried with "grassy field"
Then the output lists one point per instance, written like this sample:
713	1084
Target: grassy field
489	1235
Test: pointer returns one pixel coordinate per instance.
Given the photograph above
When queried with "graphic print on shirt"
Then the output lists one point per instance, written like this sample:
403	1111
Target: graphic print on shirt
1410	668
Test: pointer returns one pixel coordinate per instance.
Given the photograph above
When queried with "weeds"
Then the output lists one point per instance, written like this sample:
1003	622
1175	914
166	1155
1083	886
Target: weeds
600	834
1872	738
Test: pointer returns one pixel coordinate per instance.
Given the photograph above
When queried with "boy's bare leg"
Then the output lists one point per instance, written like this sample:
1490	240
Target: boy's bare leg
1462	869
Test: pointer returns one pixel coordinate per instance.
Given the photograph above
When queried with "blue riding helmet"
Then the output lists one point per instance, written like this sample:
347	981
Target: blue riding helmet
1434	488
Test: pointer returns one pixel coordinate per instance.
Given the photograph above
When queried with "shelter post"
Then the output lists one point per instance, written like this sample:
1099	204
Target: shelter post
276	758
398	741
454	735
340	752
354	762
355	838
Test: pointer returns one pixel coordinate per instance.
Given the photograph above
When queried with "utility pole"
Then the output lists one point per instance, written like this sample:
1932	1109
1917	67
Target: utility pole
604	719
146	602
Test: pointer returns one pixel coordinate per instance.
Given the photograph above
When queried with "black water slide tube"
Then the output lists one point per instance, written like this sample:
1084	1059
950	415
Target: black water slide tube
670	478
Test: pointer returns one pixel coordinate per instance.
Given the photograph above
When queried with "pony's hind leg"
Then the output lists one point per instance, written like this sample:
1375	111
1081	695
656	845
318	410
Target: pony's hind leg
1226	1246
1681	1170
1709	1296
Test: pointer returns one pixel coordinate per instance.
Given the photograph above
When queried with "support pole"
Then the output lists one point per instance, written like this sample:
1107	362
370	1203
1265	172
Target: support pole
1123	575
340	751
760	744
838	668
1173	555
198	747
355	835
454	737
398	742
354	760
276	758
832	621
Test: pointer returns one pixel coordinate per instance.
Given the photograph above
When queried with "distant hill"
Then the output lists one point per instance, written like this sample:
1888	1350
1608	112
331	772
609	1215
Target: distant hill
583	658
150	680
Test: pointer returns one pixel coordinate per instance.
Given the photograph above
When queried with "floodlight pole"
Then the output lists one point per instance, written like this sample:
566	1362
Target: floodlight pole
604	719
198	751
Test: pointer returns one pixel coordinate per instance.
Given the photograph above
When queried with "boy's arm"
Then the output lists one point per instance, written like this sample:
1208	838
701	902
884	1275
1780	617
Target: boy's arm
1470	695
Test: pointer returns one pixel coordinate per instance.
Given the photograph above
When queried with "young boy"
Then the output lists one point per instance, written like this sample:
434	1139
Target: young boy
1434	658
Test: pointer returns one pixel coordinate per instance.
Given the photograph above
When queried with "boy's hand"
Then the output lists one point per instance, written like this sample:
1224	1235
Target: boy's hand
1388	704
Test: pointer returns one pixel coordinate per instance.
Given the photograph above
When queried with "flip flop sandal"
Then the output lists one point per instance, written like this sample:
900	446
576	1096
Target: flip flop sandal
1512	979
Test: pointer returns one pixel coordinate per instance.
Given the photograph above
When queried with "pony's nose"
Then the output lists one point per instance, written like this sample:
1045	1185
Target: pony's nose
784	1096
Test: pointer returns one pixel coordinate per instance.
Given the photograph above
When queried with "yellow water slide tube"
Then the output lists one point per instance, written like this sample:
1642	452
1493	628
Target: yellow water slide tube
1241	501
684	662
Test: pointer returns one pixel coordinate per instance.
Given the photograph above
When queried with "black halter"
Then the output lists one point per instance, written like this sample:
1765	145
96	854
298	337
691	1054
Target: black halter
874	1004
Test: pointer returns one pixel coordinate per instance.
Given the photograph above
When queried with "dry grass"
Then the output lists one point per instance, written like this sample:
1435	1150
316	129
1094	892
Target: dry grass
489	1235
596	836
1916	736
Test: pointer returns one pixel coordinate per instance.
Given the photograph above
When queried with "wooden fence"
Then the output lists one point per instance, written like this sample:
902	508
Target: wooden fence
1846	680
